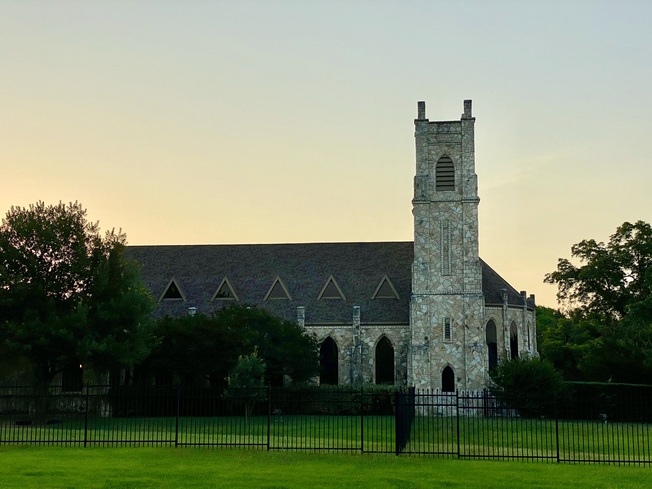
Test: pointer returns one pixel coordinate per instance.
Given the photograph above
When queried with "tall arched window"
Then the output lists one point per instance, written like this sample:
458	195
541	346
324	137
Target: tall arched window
513	341
384	361
492	345
445	174
328	362
448	380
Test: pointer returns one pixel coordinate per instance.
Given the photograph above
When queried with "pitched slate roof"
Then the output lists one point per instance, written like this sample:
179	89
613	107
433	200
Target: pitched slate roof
304	269
492	284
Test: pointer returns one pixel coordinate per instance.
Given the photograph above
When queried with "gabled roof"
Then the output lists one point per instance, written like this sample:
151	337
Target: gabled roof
303	268
492	284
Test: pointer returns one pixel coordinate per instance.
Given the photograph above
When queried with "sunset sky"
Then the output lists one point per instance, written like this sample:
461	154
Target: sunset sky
292	121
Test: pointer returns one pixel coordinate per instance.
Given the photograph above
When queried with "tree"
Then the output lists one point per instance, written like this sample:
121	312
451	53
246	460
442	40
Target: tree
194	346
613	275
565	340
67	295
606	334
547	319
209	346
246	382
528	385
288	350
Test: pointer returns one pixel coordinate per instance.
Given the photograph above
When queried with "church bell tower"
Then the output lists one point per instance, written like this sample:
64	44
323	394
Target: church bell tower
447	304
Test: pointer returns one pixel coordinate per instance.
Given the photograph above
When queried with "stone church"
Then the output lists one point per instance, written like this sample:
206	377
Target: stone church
428	313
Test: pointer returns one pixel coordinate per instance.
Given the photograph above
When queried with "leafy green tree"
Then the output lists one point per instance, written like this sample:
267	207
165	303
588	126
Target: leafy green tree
67	295
288	350
547	319
607	332
194	347
565	340
528	385
612	276
209	346
247	383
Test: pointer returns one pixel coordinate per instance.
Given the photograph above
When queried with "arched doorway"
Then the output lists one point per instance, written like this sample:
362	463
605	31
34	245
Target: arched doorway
513	341
448	380
384	361
492	345
328	362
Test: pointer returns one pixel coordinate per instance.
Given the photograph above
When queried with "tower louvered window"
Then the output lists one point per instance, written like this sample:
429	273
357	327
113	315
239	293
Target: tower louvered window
445	174
448	336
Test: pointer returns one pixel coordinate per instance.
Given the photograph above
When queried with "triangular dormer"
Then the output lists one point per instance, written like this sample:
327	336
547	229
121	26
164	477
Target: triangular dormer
331	290
385	290
225	292
278	291
172	292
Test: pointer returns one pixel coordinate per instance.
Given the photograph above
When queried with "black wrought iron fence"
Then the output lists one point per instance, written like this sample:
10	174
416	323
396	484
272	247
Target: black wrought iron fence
605	426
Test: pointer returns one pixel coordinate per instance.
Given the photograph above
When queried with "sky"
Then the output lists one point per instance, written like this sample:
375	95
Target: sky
293	121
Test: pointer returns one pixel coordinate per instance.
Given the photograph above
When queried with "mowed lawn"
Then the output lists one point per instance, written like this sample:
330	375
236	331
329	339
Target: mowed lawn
50	467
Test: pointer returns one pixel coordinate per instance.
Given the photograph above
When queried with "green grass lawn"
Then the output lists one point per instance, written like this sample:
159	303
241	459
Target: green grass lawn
49	467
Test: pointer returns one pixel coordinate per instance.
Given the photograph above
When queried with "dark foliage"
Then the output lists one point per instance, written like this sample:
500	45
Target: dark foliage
207	347
67	295
529	386
606	334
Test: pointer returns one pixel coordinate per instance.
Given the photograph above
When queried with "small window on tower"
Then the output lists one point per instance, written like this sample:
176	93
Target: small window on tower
448	335
445	174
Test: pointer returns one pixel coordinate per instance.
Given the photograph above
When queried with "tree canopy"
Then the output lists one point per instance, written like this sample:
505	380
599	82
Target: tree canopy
605	333
67	294
210	345
529	385
613	275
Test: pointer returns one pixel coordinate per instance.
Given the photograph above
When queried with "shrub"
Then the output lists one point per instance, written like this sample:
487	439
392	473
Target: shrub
531	386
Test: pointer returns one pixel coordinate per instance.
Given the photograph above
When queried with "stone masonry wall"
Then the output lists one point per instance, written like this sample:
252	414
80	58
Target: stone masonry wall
356	359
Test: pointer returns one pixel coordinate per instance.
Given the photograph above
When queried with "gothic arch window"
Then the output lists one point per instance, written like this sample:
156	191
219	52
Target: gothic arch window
448	380
384	361
529	340
445	174
513	341
492	345
328	362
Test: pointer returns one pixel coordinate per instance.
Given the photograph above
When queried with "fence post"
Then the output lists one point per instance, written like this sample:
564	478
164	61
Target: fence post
176	424
397	421
554	404
361	419
269	413
457	417
86	419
